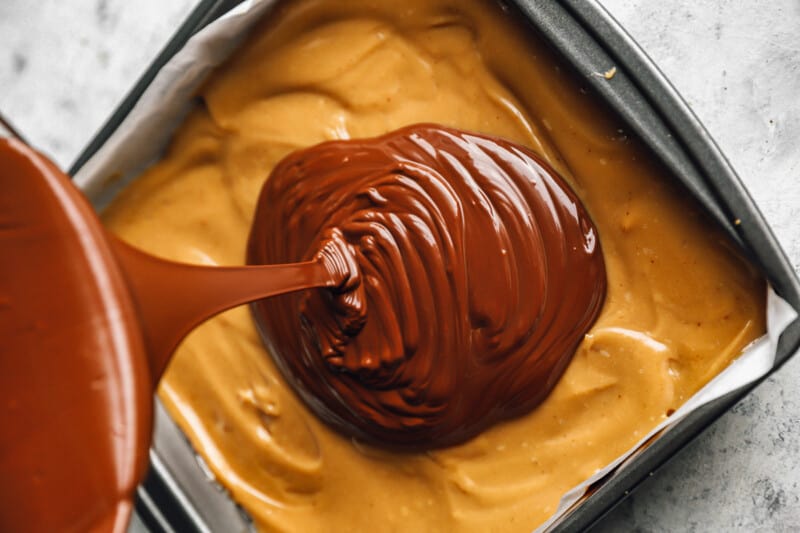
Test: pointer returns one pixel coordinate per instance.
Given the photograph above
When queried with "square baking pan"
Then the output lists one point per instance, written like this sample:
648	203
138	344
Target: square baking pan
179	493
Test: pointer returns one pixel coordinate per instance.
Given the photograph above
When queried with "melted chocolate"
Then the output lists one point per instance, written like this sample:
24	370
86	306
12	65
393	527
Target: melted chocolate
73	376
474	274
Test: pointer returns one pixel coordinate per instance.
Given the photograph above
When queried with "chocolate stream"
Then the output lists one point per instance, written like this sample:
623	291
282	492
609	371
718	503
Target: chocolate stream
173	298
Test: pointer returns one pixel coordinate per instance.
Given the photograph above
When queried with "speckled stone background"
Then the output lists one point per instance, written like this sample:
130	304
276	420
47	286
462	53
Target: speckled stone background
65	65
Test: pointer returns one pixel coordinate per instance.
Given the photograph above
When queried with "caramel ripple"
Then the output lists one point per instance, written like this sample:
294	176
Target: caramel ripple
470	274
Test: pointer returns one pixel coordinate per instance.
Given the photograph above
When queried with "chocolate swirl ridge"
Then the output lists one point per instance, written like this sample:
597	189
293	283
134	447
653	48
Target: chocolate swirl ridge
472	273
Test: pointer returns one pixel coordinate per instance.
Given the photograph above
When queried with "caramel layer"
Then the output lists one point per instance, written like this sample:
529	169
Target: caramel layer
681	304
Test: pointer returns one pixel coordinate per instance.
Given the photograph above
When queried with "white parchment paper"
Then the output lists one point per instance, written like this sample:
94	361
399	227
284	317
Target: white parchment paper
143	135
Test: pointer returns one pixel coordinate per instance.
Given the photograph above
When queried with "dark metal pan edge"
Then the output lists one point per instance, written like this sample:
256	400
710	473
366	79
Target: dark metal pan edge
755	234
706	154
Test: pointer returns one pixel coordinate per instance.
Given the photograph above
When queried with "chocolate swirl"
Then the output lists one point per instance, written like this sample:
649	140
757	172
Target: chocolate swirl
472	273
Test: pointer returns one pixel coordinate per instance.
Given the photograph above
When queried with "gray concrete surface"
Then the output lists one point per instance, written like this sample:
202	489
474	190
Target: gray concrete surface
65	65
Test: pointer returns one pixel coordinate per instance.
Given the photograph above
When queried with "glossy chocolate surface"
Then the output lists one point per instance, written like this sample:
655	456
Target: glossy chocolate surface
479	272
